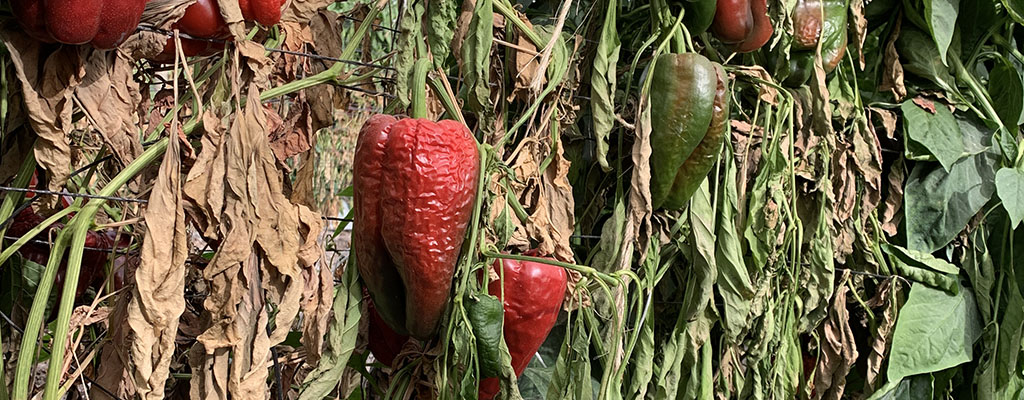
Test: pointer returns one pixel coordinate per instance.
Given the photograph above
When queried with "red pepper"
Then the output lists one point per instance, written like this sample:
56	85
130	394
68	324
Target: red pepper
742	24
533	296
104	23
384	342
202	19
415	185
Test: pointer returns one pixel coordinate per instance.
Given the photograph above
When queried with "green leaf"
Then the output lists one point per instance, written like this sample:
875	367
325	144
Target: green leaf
409	39
733	281
912	388
941	15
440	14
602	84
921	58
921	259
934	331
1016	9
341	338
938	133
938	204
476	57
1010	187
1007	91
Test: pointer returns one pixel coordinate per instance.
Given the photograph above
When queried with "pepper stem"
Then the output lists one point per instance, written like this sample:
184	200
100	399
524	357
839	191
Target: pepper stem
419	88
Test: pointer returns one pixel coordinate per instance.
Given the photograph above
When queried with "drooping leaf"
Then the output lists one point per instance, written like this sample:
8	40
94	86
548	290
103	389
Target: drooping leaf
922	57
1010	187
934	331
937	132
1016	9
1007	91
440	14
941	16
602	83
476	57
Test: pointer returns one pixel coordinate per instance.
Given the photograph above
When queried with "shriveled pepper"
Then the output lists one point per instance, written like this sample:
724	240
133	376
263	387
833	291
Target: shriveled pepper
414	187
690	111
533	295
103	23
742	24
202	19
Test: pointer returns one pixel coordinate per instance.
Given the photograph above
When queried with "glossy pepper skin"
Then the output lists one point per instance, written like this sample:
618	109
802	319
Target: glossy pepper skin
485	315
742	24
414	188
807	22
533	296
202	19
103	23
690	113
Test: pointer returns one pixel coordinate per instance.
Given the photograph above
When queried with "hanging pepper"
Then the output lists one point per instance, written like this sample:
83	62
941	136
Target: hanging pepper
697	14
202	19
690	111
742	24
828	19
103	23
414	188
533	295
384	342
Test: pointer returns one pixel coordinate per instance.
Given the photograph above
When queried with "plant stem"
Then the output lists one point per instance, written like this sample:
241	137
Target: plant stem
419	87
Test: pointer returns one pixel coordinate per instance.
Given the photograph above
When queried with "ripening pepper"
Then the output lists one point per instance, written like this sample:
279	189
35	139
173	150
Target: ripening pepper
690	111
533	295
202	19
830	18
742	24
103	23
414	188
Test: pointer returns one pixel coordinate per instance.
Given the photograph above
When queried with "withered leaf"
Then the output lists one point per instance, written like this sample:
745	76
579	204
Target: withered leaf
839	348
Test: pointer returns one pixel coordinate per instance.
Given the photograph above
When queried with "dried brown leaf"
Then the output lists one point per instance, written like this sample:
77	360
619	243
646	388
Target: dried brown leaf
925	104
894	201
888	119
892	75
109	96
158	296
766	93
838	349
301	11
881	338
860	29
48	81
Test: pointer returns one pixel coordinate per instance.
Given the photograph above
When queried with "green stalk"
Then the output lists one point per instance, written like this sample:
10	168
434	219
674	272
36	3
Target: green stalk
14	247
419	87
586	270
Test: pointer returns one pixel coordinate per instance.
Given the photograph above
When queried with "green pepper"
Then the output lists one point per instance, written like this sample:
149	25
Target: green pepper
485	315
698	14
801	67
689	110
833	33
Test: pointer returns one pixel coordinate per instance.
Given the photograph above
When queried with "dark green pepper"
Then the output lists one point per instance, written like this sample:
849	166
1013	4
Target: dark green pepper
801	67
698	14
486	314
689	110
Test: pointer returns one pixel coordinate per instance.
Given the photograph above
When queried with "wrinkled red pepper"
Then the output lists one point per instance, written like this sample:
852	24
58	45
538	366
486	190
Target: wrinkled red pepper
414	189
742	24
534	293
202	19
103	23
384	342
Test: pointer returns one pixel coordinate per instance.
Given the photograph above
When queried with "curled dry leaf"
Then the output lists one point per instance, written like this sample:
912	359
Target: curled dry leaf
892	75
160	14
158	296
109	96
860	29
48	81
881	338
767	93
894	201
838	349
300	11
267	247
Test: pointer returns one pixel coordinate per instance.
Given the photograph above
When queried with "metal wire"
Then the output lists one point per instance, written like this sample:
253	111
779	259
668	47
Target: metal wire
46	243
87	196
